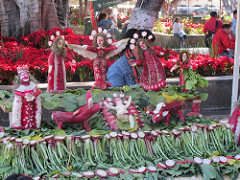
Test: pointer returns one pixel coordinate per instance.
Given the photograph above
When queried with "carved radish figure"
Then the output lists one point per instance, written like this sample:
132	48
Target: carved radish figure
79	116
166	110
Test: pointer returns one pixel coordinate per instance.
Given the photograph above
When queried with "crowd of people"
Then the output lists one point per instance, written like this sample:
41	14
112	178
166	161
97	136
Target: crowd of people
220	37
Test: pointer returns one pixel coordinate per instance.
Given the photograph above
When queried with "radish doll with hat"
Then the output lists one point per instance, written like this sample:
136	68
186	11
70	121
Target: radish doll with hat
26	111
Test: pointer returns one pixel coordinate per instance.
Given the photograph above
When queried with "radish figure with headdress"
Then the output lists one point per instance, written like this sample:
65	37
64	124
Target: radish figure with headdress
102	49
56	64
153	75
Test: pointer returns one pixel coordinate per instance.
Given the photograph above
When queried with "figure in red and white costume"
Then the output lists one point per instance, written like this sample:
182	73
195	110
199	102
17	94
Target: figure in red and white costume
234	121
99	52
153	76
56	67
27	110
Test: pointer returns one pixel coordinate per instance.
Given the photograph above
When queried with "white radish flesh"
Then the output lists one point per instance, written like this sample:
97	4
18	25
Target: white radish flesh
113	171
101	173
113	134
161	165
170	163
223	160
198	160
206	161
142	170
215	159
133	171
152	169
141	134
88	174
134	136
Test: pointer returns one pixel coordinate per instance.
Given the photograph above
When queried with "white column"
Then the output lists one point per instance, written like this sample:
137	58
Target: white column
236	62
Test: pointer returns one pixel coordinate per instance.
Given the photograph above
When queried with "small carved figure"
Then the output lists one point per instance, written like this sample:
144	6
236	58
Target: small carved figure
27	110
99	52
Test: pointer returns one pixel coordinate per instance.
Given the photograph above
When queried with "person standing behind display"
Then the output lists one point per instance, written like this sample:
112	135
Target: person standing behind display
178	31
234	22
103	22
126	71
211	27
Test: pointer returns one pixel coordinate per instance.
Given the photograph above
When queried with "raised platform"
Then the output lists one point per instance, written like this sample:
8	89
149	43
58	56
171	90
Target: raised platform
217	106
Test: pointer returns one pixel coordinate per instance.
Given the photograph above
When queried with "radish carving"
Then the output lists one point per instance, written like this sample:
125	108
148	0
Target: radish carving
79	116
167	110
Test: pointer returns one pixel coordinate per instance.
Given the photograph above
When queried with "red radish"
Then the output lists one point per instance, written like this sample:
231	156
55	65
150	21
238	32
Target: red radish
48	137
56	176
33	142
12	139
67	174
188	161
59	137
237	157
124	133
210	127
215	159
88	174
86	137
159	132
141	134
96	136
214	125
181	129
219	125
223	160
133	171
180	162
37	178
187	128
142	170
134	136
146	132
77	175
113	134
123	171
229	157
2	134
152	169
101	173
107	136
170	163
175	132
165	132
154	133
194	128
228	126
17	140
198	160
161	165
113	171
206	161
26	141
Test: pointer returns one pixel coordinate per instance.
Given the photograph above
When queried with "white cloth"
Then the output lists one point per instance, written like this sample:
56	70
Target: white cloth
178	28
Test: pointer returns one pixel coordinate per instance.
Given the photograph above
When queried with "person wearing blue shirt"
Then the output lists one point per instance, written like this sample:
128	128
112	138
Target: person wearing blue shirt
103	22
234	22
125	71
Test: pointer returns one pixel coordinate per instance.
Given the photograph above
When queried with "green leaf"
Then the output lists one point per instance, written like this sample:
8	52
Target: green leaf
203	96
155	98
208	171
5	168
51	102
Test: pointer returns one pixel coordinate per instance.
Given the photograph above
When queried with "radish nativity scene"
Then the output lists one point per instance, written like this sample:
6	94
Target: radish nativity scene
131	124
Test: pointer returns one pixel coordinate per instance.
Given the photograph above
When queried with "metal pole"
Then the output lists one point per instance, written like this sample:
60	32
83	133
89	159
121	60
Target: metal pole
236	62
188	7
221	7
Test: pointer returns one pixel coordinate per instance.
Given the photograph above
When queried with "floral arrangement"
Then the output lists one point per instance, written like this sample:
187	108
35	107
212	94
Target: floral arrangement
163	26
33	50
